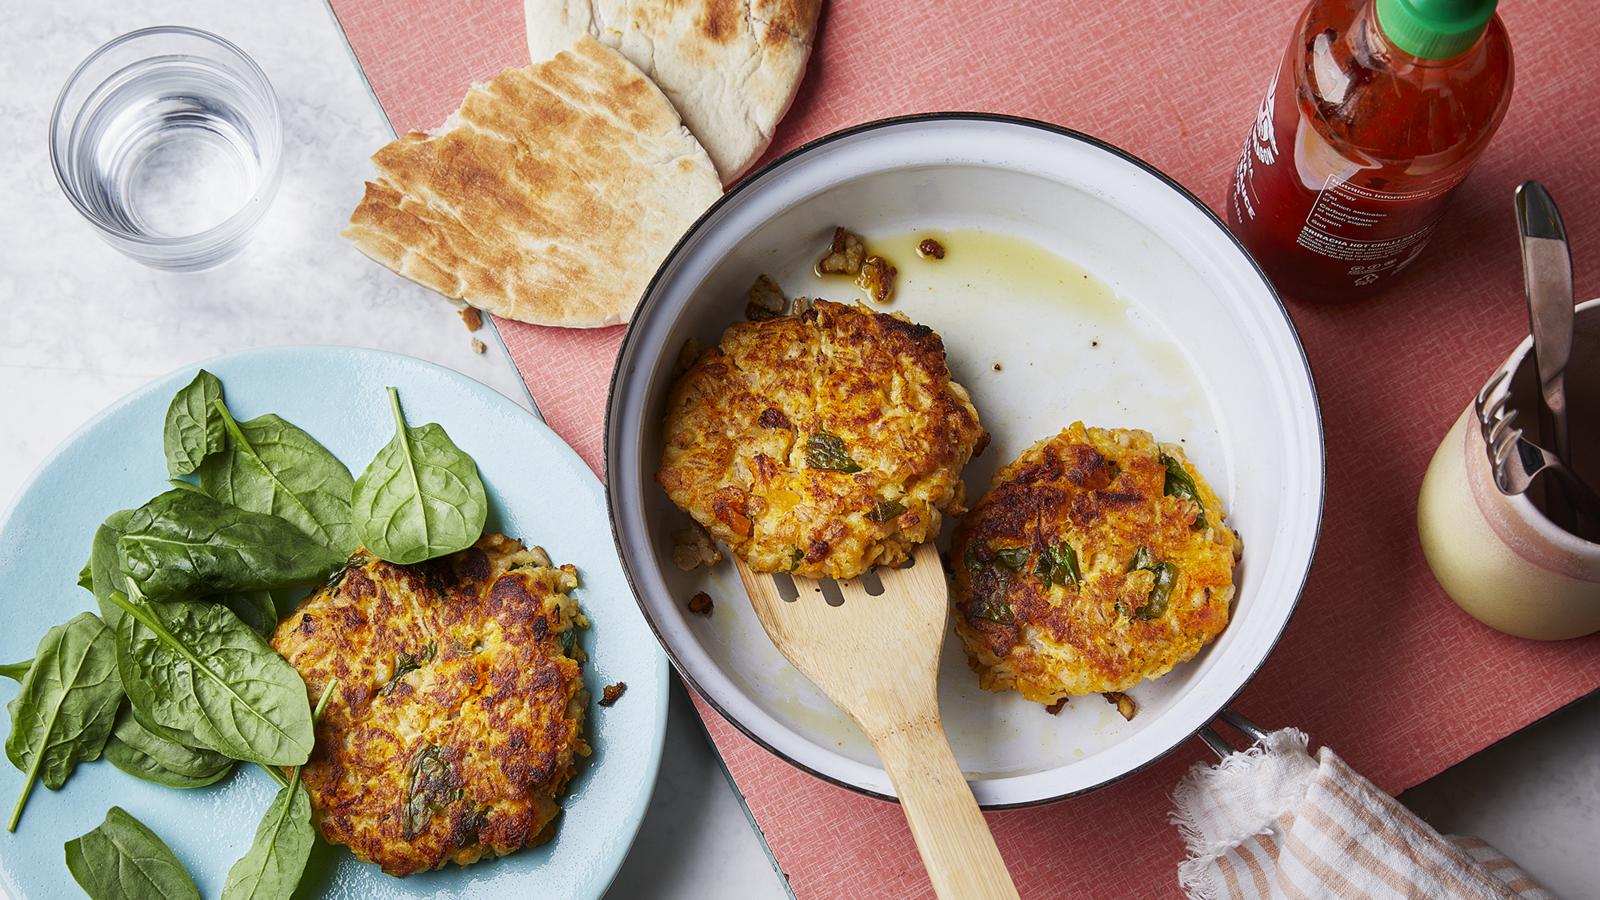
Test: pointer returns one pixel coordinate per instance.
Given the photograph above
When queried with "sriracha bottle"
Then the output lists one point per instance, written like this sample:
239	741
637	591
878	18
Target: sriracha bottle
1375	116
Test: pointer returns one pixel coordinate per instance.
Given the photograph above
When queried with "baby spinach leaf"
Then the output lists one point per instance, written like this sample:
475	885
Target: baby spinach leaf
1179	483
16	670
827	451
277	856
123	859
420	497
989	601
184	543
66	707
199	676
86	577
271	466
144	754
258	609
193	429
105	570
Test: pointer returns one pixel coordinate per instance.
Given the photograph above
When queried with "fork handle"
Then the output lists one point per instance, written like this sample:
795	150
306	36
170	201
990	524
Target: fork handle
954	840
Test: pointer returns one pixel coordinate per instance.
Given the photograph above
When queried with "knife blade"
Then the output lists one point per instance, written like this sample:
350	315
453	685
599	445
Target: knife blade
1547	281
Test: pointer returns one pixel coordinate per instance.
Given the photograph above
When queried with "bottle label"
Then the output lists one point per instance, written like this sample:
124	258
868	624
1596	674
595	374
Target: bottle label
1345	221
1340	212
1260	145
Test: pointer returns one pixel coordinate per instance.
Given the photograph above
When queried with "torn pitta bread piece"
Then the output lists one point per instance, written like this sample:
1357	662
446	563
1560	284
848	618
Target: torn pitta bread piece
731	67
549	197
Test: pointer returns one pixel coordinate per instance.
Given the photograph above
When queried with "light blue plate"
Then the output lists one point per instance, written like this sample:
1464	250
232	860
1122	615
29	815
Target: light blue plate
539	491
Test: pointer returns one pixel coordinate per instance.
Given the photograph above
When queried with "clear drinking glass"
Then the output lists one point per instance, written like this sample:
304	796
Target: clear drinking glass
168	140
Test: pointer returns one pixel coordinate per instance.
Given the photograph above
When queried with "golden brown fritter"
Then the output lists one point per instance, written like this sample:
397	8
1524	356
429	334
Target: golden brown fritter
822	443
1098	559
459	711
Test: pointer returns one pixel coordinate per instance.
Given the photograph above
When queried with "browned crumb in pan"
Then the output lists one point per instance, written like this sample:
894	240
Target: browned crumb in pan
693	548
611	693
700	604
766	300
1124	704
845	254
877	279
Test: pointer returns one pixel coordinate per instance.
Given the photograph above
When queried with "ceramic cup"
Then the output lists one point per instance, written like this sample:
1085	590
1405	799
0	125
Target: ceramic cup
1498	556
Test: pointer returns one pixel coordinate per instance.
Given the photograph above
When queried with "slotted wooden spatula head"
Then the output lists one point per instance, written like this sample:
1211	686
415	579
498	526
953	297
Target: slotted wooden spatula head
877	659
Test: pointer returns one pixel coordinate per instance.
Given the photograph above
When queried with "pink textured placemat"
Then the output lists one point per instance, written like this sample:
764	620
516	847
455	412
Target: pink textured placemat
1377	661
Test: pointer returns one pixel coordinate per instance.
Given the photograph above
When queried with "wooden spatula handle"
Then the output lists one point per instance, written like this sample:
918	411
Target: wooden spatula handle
951	834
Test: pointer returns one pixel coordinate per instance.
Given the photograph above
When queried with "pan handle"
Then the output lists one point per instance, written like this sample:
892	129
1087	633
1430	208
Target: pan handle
1244	726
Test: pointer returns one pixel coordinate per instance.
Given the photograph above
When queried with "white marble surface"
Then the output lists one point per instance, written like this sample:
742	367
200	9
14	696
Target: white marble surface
81	325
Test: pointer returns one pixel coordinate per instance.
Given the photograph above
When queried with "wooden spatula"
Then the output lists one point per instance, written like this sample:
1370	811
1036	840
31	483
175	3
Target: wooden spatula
877	658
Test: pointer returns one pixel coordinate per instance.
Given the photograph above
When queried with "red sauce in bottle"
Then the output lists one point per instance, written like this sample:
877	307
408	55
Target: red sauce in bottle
1358	145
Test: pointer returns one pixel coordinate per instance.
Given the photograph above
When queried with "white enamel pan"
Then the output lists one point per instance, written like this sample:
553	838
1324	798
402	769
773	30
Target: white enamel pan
1194	347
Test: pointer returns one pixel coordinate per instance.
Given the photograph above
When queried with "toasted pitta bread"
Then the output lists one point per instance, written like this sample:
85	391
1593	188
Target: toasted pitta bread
549	197
731	67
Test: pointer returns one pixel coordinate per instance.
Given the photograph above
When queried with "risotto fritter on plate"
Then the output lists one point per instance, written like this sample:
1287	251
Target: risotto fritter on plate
458	719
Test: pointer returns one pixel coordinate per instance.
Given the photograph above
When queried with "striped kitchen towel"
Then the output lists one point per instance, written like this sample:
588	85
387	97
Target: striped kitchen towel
1272	822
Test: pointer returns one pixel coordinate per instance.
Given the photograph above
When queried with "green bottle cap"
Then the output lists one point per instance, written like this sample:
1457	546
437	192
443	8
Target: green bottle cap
1434	29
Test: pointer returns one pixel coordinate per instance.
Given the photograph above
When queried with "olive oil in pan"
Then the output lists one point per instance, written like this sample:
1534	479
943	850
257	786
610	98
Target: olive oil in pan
1040	342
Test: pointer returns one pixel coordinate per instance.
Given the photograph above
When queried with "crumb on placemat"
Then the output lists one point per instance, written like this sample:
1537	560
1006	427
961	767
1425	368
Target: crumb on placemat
612	693
479	346
700	604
